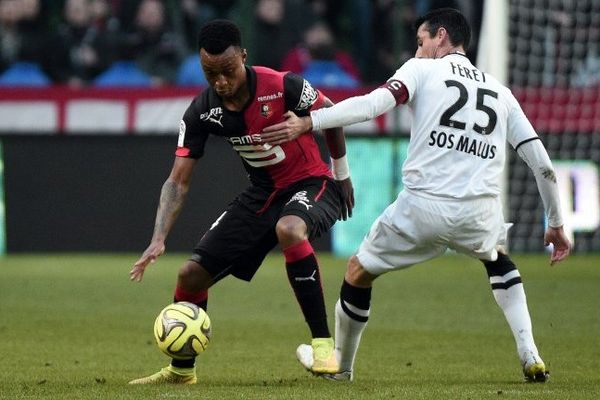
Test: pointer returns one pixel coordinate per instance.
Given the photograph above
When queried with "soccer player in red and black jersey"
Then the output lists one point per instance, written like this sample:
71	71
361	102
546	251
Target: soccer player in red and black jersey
293	197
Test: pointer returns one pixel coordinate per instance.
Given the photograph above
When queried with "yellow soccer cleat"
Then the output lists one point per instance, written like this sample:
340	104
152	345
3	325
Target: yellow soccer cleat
534	368
169	375
324	360
304	354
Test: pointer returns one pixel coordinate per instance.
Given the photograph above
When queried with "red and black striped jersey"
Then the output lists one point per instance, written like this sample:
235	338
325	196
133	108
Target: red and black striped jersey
272	93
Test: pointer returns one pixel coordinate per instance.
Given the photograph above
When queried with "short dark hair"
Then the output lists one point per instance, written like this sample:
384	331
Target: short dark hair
217	35
452	20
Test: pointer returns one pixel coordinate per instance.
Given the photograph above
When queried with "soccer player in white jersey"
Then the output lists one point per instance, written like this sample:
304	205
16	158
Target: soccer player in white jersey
462	119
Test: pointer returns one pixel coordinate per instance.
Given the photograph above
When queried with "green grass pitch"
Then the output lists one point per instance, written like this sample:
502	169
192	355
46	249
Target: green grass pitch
74	327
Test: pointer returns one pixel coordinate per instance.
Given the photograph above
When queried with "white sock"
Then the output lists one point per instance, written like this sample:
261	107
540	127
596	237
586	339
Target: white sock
348	332
513	303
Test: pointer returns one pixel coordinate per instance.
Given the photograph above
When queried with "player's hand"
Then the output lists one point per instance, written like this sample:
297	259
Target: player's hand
150	256
560	242
290	129
348	194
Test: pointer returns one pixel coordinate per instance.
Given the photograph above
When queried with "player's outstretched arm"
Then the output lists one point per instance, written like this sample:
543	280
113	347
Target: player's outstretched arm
561	244
346	112
172	198
289	129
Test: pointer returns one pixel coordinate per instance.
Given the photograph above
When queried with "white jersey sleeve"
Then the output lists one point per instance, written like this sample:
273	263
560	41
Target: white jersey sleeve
363	108
353	110
409	74
536	157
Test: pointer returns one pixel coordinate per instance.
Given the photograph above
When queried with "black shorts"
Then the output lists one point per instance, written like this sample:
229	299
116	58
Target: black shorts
238	241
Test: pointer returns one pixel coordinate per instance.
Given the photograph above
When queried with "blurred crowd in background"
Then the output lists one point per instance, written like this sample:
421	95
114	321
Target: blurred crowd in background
151	43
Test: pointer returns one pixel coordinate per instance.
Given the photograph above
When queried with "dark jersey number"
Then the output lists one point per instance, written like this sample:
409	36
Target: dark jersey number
463	97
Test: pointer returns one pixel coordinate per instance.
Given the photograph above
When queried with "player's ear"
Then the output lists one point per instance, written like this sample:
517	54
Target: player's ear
441	32
244	55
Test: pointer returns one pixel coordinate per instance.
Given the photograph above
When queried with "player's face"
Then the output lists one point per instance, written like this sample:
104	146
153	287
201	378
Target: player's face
427	46
225	72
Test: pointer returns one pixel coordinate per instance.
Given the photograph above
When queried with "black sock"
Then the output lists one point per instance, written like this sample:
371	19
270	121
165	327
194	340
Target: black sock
303	273
201	300
357	297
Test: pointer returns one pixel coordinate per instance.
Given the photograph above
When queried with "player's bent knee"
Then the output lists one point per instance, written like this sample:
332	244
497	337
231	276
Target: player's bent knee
356	275
192	276
500	267
290	229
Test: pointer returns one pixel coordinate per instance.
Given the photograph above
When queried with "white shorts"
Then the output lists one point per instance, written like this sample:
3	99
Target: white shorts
414	229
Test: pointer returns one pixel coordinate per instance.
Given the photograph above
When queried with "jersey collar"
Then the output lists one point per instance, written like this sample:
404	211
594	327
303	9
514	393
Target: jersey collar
456	53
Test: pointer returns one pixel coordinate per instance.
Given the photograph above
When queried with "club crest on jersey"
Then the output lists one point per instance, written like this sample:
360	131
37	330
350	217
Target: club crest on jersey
214	116
265	110
308	97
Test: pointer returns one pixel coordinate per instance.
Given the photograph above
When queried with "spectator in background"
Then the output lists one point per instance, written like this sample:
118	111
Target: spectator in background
10	39
103	16
191	15
20	25
320	44
276	28
33	27
125	11
158	49
333	12
393	37
350	22
32	19
26	71
23	37
190	72
125	71
222	8
85	49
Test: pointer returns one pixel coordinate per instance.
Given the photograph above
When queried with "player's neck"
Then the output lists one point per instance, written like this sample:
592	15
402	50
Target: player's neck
454	50
238	102
444	51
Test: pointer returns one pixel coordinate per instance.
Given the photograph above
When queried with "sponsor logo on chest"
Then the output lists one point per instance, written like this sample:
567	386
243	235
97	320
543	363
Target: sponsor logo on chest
214	115
270	97
246	139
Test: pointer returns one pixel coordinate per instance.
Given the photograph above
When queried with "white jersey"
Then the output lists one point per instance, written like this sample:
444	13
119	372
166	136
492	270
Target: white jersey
462	119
